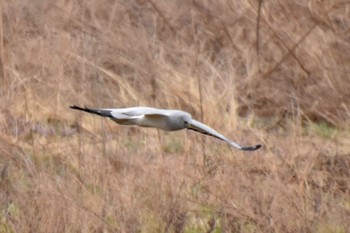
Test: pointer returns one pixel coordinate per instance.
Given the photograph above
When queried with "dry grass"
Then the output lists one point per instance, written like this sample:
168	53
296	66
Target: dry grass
63	171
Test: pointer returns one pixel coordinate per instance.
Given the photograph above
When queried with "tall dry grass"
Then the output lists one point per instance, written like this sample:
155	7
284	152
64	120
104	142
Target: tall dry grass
279	77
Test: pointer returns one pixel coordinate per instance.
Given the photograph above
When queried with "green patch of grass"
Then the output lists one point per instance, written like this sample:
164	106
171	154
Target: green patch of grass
5	227
151	223
112	222
43	161
346	204
13	212
52	163
94	189
23	181
203	220
132	145
173	145
200	223
249	228
322	129
332	228
57	124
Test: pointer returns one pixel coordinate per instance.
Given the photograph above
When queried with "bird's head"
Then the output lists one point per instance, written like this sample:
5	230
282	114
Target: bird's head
187	119
179	120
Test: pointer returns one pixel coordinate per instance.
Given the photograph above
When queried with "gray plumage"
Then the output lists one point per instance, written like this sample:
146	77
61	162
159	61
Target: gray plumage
169	120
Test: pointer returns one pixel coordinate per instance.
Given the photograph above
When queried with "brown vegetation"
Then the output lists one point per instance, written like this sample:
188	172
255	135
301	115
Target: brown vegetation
279	77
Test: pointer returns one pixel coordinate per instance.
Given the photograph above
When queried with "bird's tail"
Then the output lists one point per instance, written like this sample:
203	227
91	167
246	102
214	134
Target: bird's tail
100	112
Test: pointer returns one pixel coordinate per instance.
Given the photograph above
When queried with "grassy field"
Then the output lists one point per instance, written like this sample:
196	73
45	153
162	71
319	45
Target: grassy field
276	72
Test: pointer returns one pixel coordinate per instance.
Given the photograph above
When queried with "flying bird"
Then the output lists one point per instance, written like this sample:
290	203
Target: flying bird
168	120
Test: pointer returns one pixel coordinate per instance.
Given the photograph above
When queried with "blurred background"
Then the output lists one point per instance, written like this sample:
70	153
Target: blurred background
276	72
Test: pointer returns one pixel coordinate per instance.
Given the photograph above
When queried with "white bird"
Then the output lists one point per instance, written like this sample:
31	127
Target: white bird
168	120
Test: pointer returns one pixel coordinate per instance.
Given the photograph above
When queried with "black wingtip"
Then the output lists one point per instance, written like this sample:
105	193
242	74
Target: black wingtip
100	112
251	148
75	107
82	108
85	109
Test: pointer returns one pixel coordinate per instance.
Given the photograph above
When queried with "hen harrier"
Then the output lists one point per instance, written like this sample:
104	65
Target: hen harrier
169	120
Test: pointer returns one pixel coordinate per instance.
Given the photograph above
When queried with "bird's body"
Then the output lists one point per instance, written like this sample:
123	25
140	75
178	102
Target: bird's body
169	120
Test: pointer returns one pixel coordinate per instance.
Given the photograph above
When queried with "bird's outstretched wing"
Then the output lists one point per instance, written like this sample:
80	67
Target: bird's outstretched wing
141	116
123	113
97	111
204	129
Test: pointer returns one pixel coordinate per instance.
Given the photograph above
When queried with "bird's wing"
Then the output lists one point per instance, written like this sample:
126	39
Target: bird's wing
114	114
142	116
97	111
123	113
204	129
144	111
